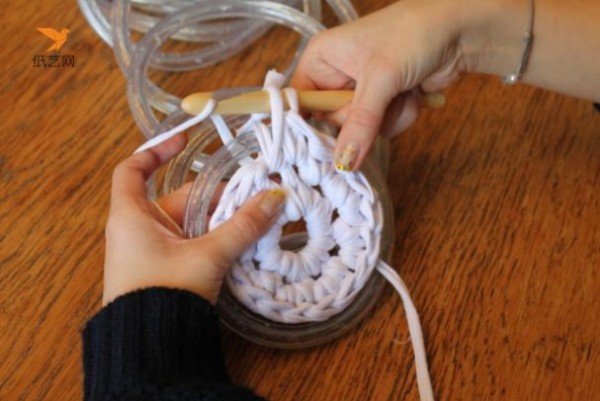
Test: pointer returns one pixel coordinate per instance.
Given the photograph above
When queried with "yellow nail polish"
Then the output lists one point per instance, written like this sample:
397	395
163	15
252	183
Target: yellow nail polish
272	202
345	159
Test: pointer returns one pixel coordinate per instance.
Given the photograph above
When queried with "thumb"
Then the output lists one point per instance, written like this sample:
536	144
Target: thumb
373	94
247	225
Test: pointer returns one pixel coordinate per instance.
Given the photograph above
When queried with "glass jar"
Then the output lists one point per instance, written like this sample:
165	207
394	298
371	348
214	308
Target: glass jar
234	314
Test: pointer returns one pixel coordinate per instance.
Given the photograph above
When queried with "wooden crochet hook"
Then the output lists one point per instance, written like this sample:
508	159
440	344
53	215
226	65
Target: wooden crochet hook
258	102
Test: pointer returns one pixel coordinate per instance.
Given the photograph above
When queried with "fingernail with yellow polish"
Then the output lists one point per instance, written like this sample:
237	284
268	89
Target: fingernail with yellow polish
345	159
272	201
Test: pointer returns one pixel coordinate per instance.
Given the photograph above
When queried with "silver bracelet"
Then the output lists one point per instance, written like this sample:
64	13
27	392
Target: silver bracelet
511	79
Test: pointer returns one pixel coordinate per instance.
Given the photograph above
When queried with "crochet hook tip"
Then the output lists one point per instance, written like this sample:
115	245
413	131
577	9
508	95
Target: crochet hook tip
195	103
435	100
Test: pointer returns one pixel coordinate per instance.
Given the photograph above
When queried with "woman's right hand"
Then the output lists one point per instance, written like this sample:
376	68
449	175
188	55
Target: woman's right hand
390	58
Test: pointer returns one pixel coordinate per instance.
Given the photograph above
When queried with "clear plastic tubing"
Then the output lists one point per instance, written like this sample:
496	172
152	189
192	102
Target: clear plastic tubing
159	99
138	88
224	38
214	52
97	13
126	16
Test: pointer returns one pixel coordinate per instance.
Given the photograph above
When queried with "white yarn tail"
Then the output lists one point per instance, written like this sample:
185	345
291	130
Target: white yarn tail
204	114
414	328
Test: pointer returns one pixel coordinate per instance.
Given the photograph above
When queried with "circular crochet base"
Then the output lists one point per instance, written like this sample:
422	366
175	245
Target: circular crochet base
343	220
343	215
235	315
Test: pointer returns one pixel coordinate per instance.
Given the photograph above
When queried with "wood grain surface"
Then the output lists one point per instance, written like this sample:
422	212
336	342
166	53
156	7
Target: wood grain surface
497	208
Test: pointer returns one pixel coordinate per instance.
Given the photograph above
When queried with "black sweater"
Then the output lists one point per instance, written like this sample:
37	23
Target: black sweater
157	344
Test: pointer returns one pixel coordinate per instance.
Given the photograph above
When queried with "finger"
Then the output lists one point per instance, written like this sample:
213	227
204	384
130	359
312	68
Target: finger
371	98
409	114
247	225
392	115
320	76
170	148
338	117
314	72
165	219
439	80
174	203
301	78
401	114
129	177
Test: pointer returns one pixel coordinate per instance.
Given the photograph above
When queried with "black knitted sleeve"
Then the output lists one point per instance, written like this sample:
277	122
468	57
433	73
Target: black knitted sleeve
156	344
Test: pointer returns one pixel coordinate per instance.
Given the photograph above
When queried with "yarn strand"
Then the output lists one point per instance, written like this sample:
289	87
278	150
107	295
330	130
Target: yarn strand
414	328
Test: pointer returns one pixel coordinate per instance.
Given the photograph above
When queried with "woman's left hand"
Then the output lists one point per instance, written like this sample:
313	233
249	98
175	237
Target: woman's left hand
145	247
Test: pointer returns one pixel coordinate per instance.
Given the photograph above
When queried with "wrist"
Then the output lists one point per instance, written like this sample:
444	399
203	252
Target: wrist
491	35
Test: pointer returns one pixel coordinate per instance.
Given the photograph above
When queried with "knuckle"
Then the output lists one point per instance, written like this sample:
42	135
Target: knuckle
382	72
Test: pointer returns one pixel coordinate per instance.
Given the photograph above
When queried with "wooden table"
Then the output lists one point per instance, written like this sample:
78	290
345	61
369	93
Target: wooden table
497	218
